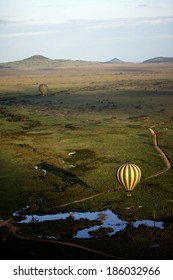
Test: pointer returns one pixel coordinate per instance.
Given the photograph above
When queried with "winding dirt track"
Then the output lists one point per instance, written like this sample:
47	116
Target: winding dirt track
10	223
161	152
80	200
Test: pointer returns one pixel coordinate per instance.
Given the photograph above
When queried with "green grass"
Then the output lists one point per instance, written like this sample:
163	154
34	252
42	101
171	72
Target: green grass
105	123
47	136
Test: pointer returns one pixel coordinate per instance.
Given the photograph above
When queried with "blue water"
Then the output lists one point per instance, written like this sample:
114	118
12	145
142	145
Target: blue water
108	218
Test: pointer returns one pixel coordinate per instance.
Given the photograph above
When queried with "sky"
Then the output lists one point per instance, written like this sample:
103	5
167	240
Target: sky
92	30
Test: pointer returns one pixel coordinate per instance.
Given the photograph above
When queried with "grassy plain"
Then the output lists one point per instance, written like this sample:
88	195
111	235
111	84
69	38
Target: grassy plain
102	113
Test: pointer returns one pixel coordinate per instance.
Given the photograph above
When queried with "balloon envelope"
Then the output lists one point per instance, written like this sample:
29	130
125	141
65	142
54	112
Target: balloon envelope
43	89
129	176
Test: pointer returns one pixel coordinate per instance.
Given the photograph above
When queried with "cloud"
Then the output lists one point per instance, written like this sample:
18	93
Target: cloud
143	5
45	27
156	20
121	22
10	21
50	23
24	34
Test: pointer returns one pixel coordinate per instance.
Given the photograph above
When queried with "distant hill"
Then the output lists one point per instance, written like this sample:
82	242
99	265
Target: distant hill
114	61
42	62
159	59
39	61
36	58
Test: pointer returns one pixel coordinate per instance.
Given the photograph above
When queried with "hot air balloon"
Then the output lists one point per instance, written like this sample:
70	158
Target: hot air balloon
43	89
129	176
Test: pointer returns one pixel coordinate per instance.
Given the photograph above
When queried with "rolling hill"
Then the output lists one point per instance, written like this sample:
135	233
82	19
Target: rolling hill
39	61
159	59
114	61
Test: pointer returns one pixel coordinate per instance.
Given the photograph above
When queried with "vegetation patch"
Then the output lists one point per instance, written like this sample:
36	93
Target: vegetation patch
101	232
57	229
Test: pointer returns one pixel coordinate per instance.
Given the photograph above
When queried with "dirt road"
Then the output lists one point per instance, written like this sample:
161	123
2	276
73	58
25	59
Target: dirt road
161	152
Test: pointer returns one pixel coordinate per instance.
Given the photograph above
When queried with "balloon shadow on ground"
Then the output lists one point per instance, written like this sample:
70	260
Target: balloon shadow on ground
63	174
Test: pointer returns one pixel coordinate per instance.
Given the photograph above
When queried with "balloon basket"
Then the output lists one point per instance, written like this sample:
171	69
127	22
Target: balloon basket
129	194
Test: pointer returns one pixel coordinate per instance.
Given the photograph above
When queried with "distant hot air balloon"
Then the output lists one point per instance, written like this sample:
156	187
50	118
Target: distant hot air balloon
129	176
43	89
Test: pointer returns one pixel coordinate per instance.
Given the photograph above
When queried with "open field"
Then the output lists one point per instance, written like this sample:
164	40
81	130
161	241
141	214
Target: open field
94	118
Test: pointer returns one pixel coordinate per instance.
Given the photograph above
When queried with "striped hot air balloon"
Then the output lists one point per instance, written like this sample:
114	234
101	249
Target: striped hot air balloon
129	176
43	89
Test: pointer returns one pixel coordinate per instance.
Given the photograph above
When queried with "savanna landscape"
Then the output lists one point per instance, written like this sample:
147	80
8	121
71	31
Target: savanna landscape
60	198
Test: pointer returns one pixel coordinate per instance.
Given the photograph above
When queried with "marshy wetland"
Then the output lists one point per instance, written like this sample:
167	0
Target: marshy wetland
60	152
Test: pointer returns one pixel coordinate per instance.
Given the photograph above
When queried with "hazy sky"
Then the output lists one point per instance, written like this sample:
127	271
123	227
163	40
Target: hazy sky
131	30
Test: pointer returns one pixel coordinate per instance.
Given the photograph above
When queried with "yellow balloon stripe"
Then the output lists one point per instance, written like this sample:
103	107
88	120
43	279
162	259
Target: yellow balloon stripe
133	176
127	176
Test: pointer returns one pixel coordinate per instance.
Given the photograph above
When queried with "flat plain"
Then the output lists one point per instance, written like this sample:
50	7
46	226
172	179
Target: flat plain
60	153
